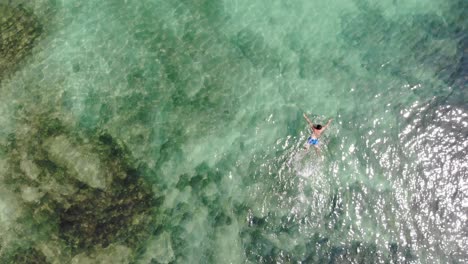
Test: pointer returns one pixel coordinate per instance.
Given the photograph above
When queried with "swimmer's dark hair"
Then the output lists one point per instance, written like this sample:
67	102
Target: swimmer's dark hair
318	126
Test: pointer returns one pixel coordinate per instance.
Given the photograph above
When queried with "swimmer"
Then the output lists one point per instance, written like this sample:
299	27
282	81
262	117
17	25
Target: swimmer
316	132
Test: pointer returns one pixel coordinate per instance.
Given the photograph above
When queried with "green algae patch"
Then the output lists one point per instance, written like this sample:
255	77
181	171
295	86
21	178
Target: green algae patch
19	29
29	256
80	195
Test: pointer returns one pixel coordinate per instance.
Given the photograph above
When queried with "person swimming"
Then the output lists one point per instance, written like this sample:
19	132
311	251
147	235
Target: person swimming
317	129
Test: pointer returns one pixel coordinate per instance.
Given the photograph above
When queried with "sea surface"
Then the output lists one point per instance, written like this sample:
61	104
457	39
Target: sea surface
172	131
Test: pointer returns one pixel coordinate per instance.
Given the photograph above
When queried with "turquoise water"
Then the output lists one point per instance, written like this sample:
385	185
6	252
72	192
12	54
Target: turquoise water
172	131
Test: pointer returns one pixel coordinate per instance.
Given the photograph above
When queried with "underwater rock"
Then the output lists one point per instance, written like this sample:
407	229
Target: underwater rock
19	29
111	254
29	256
79	194
429	38
159	250
459	78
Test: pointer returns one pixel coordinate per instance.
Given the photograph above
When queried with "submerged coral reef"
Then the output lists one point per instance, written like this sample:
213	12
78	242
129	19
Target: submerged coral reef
73	193
19	29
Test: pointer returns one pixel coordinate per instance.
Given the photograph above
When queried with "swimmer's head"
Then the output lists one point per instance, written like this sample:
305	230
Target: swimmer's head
318	127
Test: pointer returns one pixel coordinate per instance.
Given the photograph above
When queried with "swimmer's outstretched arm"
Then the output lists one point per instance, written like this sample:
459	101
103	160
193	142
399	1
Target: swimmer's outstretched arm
308	120
328	123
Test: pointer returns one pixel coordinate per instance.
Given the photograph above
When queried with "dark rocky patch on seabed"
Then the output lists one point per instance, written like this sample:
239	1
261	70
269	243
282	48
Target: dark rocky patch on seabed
424	36
79	192
459	78
19	29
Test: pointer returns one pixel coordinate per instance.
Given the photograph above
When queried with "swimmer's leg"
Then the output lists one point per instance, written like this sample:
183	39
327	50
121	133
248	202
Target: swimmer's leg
317	149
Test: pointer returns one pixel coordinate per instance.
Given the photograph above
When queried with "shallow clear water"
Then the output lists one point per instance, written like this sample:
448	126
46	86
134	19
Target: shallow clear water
196	106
